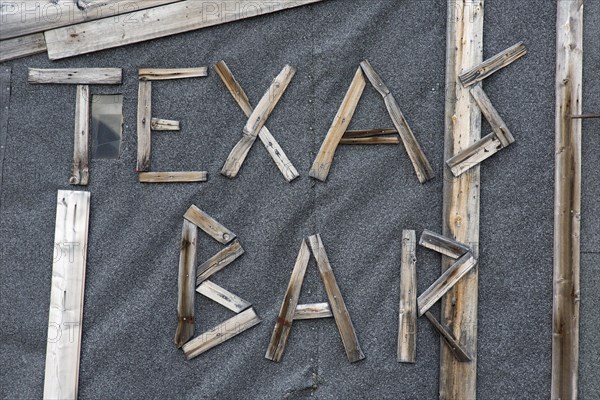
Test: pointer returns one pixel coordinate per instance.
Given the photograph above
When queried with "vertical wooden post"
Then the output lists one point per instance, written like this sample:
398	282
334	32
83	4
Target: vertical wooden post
567	200
461	196
407	315
80	172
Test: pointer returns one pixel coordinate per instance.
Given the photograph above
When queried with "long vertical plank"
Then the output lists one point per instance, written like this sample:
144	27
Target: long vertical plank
185	286
461	196
407	315
80	171
567	200
66	296
144	126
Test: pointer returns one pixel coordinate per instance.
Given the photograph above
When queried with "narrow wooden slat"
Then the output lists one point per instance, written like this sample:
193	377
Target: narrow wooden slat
80	174
76	76
157	124
492	116
173	177
11	49
256	122
275	151
407	315
567	200
312	311
455	348
185	285
65	319
585	116
362	133
443	244
156	22
371	140
474	154
285	318
209	225
322	164
221	333
336	301
491	65
219	261
144	126
223	297
154	74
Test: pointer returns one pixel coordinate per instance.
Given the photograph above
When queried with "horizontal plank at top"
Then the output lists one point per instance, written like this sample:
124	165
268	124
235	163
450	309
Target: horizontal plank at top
77	76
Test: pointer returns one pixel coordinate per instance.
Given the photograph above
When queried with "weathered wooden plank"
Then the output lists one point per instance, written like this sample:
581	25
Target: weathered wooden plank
156	22
155	74
209	225
65	319
219	261
80	172
11	49
5	91
363	133
222	296
493	64
312	311
173	177
157	124
453	345
567	200
474	154
257	121
336	301
445	282
275	151
285	319
144	126
492	116
76	76
185	284
407	315
221	333
371	140
322	164
443	244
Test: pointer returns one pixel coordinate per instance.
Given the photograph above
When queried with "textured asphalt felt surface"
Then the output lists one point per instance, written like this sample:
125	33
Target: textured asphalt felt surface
371	195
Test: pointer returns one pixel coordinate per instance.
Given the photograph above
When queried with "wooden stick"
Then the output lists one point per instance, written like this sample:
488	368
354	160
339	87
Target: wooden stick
80	174
65	319
312	311
461	196
219	261
153	74
371	140
144	126
363	133
567	200
322	164
257	121
492	116
584	116
275	151
76	76
455	348
221	333
288	307
336	301
407	315
443	244
474	154
491	65
222	296
185	296
209	225
157	124
173	177
23	46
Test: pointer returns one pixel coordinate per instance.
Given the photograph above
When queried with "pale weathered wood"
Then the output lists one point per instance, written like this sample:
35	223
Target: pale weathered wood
336	301
173	177
322	164
209	225
474	154
443	244
493	64
453	345
185	285
65	319
407	314
157	124
445	282
275	151
76	76
415	153
567	200
363	133
371	140
154	74
492	116
221	333
285	317
11	49
144	126
156	22
312	311
257	121
80	173
458	381
222	296
219	261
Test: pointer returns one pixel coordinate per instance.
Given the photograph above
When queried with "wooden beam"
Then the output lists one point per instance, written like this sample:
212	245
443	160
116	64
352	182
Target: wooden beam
157	22
443	244
23	46
407	314
453	345
65	319
473	155
363	133
173	177
185	285
222	296
493	64
155	74
371	140
322	164
567	200
312	311
80	172
76	76
144	126
492	116
209	225
157	124
219	261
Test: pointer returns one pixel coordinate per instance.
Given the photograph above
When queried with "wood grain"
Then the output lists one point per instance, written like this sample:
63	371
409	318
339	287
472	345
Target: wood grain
371	140
209	225
80	170
365	133
157	124
474	154
493	64
312	311
76	76
222	296
155	74
173	177
407	314
11	49
144	126
219	261
453	346
443	244
185	284
492	116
